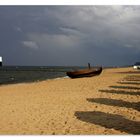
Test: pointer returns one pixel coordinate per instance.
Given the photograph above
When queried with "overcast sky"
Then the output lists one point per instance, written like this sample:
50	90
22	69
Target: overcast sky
70	35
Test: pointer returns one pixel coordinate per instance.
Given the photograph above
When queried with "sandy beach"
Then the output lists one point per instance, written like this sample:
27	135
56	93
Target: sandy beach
104	104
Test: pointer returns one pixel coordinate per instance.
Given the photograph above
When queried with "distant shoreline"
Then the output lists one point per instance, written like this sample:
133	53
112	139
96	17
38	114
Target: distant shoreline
28	74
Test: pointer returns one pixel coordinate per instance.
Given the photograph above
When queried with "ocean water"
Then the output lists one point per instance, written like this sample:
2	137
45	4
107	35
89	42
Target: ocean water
22	74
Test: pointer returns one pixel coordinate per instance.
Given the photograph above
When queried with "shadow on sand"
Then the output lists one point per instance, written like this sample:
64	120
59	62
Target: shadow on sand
114	102
120	92
125	87
132	78
129	83
107	120
114	121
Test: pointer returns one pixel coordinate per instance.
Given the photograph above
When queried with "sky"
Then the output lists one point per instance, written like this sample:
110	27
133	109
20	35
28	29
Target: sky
70	35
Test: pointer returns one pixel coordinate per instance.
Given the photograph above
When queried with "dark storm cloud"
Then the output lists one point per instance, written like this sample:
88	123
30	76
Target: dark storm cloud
70	35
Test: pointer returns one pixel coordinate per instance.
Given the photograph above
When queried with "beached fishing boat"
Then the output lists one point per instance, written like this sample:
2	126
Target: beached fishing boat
85	72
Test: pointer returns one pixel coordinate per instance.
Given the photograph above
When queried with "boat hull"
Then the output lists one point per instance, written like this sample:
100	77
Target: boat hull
85	73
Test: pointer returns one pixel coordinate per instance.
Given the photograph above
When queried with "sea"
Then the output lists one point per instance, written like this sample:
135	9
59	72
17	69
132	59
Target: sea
24	74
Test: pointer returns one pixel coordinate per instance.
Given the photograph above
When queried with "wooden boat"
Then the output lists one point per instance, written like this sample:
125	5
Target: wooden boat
85	73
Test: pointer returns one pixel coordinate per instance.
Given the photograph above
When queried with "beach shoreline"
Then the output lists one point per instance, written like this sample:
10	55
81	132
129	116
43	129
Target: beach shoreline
104	104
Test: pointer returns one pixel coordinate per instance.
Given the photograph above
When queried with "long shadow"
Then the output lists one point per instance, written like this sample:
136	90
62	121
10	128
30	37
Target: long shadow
132	78
120	92
113	102
125	87
107	120
129	83
135	80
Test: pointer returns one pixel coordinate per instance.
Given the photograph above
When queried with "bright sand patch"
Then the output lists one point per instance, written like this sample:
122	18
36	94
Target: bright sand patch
96	105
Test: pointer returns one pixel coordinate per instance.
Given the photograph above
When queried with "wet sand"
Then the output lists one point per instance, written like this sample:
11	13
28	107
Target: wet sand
104	104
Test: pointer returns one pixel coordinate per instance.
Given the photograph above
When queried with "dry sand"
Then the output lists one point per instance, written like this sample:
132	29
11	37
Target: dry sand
104	104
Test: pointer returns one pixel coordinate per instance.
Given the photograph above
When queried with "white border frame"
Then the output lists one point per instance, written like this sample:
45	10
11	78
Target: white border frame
69	2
